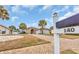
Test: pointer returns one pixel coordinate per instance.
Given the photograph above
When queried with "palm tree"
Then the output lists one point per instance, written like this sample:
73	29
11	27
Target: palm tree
23	27
12	28
4	13
42	23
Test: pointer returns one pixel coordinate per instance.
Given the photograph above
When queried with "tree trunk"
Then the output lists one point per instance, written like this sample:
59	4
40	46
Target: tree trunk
42	30
50	32
11	32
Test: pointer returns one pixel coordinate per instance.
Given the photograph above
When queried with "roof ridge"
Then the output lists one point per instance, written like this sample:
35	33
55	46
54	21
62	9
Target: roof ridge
4	26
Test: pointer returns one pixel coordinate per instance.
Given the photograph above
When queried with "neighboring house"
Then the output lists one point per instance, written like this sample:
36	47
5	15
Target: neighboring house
32	30
4	30
38	31
15	32
45	31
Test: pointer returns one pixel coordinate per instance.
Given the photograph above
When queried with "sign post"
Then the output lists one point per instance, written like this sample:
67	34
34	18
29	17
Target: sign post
56	35
67	26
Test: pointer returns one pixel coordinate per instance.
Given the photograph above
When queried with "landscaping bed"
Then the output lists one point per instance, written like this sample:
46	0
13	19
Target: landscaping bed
26	41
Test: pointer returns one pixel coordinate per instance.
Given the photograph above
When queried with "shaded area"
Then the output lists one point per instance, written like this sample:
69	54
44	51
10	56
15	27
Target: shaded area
70	36
20	43
71	21
68	52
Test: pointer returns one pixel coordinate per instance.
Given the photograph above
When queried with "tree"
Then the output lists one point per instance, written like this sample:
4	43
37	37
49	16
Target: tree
42	24
4	13
23	26
12	28
17	30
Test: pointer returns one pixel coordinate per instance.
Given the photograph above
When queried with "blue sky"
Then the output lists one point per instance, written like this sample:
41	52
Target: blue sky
31	14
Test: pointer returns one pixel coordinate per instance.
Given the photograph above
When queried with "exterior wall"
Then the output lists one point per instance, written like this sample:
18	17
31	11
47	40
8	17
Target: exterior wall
20	31
15	32
7	31
29	31
44	31
38	32
52	31
4	30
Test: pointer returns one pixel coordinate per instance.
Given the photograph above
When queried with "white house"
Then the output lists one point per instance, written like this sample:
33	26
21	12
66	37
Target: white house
45	31
32	30
4	30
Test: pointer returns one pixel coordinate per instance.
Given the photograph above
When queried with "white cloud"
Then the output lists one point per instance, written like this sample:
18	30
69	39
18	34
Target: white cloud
76	9
46	7
69	14
35	24
15	8
49	22
54	10
66	16
31	7
32	24
14	18
49	19
63	9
